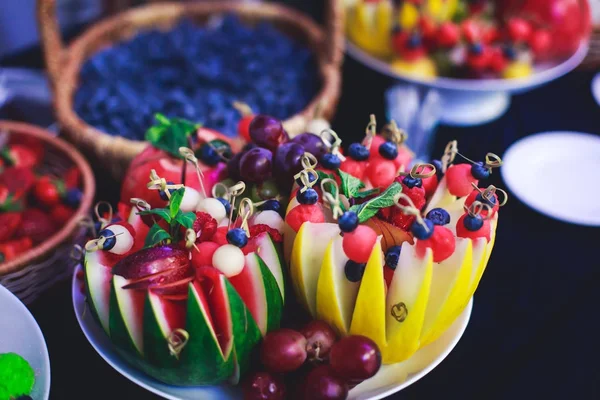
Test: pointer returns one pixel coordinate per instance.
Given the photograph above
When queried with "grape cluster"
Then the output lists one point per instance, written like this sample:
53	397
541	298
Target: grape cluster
195	73
317	364
272	159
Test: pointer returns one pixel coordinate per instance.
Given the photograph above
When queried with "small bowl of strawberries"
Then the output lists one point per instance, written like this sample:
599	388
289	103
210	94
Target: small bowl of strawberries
46	190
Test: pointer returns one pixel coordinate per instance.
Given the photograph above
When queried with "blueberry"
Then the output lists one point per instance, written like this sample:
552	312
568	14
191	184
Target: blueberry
310	196
226	204
392	256
476	49
273	205
479	171
358	152
388	150
414	41
438	169
163	194
237	237
510	53
330	161
473	223
208	155
396	29
411	182
348	221
438	216
311	178
491	201
421	232
73	197
354	271
110	237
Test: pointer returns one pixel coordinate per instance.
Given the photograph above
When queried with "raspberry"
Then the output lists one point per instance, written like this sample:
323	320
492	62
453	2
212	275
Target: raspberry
399	218
257	229
206	225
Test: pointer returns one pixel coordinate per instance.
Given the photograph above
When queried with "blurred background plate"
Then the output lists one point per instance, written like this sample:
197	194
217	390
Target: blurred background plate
555	173
390	379
20	333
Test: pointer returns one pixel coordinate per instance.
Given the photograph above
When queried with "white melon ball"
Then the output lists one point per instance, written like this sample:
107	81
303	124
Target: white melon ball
191	198
229	259
270	218
317	126
120	235
213	207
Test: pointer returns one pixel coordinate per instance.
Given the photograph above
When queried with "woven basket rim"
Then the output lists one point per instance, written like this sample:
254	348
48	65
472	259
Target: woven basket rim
89	187
72	58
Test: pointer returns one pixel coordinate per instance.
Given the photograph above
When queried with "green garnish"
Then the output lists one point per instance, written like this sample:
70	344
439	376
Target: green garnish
169	134
370	208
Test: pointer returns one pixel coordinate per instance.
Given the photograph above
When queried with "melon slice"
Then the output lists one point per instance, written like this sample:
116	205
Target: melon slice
97	266
141	229
450	279
307	256
126	319
407	301
441	197
260	292
268	251
368	318
336	295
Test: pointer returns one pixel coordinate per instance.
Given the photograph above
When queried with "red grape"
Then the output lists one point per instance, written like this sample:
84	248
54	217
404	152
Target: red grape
267	132
255	165
311	143
287	163
355	358
323	384
233	166
264	386
283	350
320	337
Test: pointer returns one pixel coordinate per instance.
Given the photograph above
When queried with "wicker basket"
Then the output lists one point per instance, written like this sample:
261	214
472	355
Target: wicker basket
28	275
115	153
592	59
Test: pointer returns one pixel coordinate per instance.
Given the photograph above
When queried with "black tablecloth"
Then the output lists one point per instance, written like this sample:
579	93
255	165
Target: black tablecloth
533	332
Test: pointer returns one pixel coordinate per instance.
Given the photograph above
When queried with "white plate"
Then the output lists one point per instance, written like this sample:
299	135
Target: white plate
389	380
20	333
539	170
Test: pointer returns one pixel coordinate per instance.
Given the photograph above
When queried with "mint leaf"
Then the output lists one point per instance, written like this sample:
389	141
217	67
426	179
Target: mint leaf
350	186
186	219
324	175
161	212
169	134
371	207
366	193
175	201
5	155
156	235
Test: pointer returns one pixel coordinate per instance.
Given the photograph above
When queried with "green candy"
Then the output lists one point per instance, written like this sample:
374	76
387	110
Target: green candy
16	376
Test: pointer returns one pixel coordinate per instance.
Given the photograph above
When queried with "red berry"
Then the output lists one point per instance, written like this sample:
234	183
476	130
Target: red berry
463	232
471	30
264	386
202	256
61	213
448	34
359	243
417	195
304	213
47	191
244	127
459	179
18	180
479	60
22	156
540	42
490	34
429	185
37	225
9	223
283	350
11	249
322	384
498	61
220	236
355	168
518	29
442	243
72	178
427	28
206	225
381	172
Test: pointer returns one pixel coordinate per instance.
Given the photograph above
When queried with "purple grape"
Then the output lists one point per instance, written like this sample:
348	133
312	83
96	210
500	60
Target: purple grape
288	162
312	143
255	165
267	132
233	166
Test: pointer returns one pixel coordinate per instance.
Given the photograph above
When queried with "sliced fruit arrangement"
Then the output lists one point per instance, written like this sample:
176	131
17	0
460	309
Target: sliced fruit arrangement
185	290
468	39
34	202
395	262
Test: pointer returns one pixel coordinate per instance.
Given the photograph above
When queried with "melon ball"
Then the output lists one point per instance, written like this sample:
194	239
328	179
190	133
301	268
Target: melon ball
229	259
214	207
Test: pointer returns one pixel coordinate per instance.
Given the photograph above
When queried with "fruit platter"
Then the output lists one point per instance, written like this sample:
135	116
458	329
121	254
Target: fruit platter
473	53
285	267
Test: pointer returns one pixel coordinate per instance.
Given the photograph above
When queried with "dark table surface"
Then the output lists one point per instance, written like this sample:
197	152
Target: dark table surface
533	332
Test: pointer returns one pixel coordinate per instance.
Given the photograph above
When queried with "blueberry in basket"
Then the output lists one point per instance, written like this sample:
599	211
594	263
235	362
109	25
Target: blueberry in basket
196	73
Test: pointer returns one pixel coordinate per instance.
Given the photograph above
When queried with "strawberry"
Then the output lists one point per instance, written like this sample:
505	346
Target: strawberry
18	180
33	145
9	201
519	30
540	42
471	30
61	213
11	249
49	191
413	188
36	225
448	35
9	223
21	156
72	178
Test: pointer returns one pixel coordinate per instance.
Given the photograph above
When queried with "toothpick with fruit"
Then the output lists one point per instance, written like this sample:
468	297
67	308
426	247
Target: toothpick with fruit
475	223
489	197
